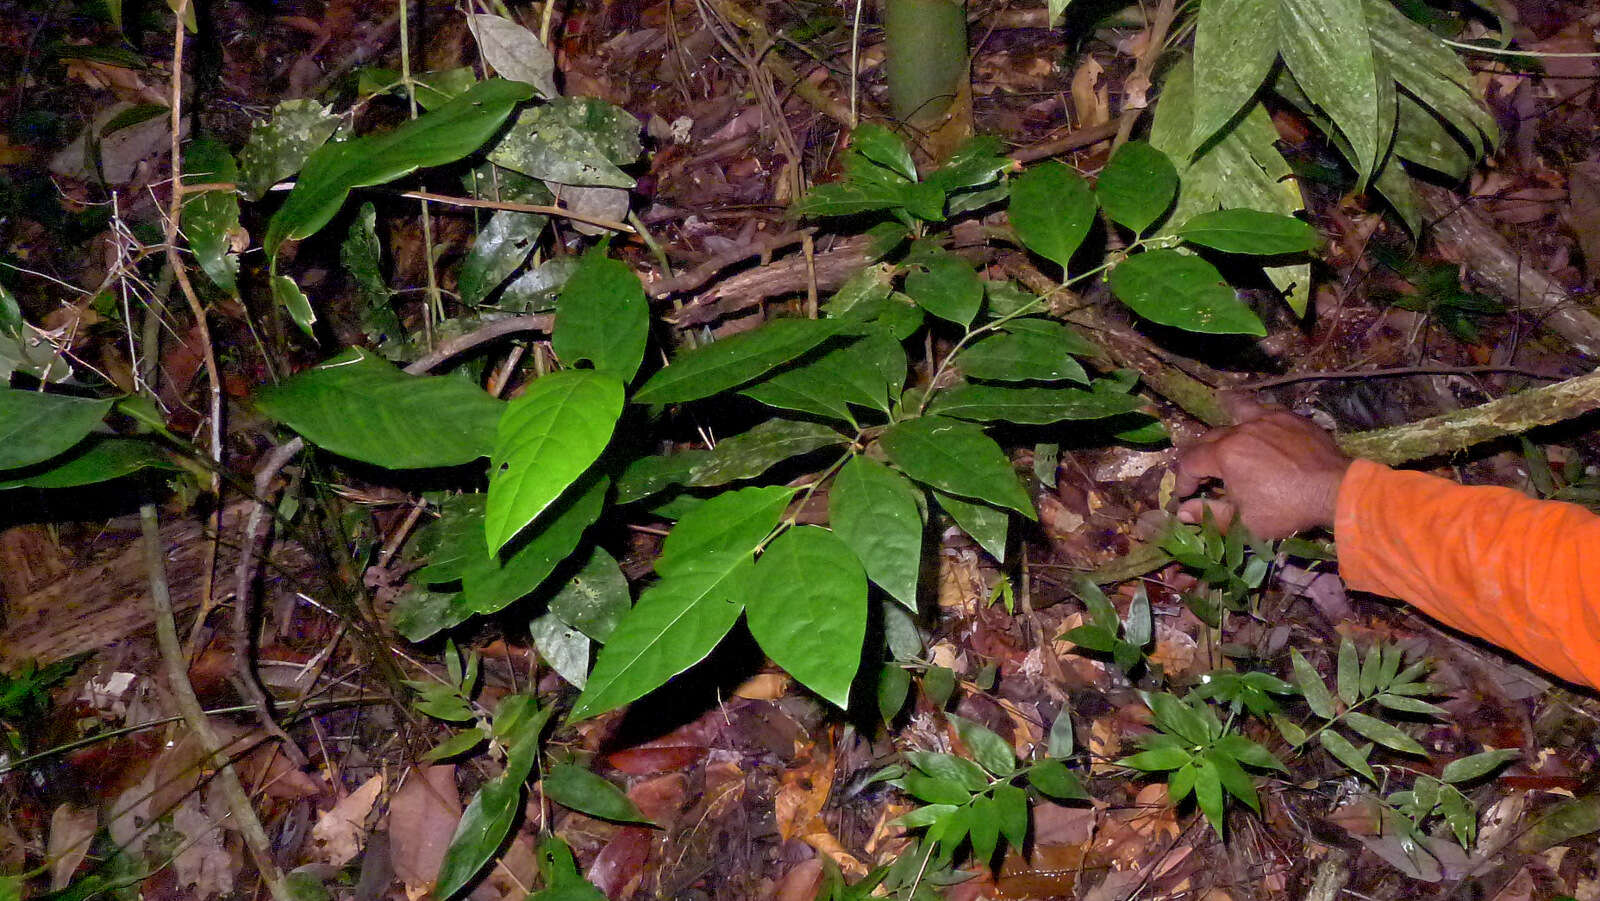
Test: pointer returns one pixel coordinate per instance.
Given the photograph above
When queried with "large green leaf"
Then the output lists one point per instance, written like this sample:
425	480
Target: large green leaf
869	372
98	459
874	510
985	524
492	810
35	426
444	135
572	141
1235	45
1137	186
749	454
1020	357
210	218
956	457
808	609
595	599
547	438
948	287
362	407
602	317
1051	210
279	146
733	520
1030	406
1328	47
885	148
1186	292
505	242
733	361
1249	231
674	626
1432	72
1423	138
489	584
658	472
577	787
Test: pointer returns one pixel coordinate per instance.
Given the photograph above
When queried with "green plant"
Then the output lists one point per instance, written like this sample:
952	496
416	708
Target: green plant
25	697
1434	289
1123	638
1231	567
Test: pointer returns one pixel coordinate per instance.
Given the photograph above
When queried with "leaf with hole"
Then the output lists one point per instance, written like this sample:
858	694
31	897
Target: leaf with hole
1137	185
601	316
211	218
503	244
808	609
596	598
563	648
956	457
546	439
946	286
1170	288
577	141
874	511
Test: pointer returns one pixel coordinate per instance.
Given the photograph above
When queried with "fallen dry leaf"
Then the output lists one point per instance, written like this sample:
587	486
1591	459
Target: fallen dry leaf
422	817
340	833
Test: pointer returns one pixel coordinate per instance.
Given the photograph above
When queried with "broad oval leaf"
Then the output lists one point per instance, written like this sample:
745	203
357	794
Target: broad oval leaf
731	521
577	787
1235	45
489	585
749	454
602	317
595	599
885	148
279	146
362	407
1466	769
948	287
808	609
1061	739
1051	210
1020	357
1137	185
1186	292
733	361
1249	231
992	752
985	524
1054	779
547	438
1328	47
514	52
35	426
956	457
656	473
674	626
950	767
561	646
868	372
210	218
444	135
873	509
1030	406
1011	807
478	835
99	459
572	141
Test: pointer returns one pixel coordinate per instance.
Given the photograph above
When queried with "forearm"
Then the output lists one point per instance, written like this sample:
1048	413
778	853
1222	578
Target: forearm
1521	573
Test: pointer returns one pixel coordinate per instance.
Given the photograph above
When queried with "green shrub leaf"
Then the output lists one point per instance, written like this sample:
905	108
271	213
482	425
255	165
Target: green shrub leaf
984	524
1466	769
1020	357
1137	185
1186	292
1383	733
488	585
98	459
992	752
733	361
210	218
1249	231
948	287
601	316
1327	45
1052	778
547	438
874	511
571	141
1030	406
749	454
577	787
1051	210
1347	753
1229	67
956	457
808	610
595	599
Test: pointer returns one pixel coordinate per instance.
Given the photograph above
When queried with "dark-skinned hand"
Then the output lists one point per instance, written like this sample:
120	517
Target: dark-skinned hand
1280	472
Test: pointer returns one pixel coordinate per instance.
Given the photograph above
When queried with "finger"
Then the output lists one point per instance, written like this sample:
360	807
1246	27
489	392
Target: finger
1196	463
1193	512
1244	408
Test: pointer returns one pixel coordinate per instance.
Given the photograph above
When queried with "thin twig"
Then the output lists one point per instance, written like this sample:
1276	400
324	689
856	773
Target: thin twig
1075	140
1393	373
194	715
539	322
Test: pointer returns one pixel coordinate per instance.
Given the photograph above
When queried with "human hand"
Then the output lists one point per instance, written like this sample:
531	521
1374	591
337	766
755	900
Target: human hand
1280	472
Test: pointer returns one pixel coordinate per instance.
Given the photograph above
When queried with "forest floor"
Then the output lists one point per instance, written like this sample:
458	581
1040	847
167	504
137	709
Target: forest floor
755	788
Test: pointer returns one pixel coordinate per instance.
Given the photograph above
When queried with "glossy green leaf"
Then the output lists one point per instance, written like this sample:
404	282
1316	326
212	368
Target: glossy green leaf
1476	766
1011	809
1249	232
1137	185
1186	292
733	361
956	457
596	598
279	146
983	829
885	148
650	475
1234	779
1030	406
1348	679
361	407
99	459
1310	683
294	302
563	648
869	372
1347	753
1208	792
992	752
924	816
949	767
572	141
751	453
808	609
1020	357
1052	778
515	52
1051	211
1383	733
976	163
444	135
1165	757
934	790
547	438
211	218
734	520
983	523
894	686
1327	45
948	287
559	871
1410	705
582	790
874	511
489	585
455	745
602	317
35	426
490	813
849	197
674	626
1235	45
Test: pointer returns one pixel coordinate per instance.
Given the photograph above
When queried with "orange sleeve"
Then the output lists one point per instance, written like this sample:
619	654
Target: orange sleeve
1521	573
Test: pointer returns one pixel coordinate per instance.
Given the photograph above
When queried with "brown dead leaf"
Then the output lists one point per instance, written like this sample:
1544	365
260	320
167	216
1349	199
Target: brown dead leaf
341	832
763	687
71	828
1090	103
422	818
803	791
